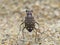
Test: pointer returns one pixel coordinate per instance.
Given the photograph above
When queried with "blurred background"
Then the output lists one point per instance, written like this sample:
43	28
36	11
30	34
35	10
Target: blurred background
45	12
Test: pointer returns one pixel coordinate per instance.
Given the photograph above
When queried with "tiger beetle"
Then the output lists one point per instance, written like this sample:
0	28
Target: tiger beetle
29	23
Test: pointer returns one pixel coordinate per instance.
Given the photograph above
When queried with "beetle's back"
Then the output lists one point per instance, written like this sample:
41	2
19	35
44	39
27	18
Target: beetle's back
29	23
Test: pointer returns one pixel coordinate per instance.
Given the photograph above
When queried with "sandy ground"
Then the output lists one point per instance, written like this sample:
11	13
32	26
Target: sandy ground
45	12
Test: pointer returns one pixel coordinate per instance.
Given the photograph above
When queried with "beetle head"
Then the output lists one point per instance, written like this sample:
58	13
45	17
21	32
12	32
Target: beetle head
29	12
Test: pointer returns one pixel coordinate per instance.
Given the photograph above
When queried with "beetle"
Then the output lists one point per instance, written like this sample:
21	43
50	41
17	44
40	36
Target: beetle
29	22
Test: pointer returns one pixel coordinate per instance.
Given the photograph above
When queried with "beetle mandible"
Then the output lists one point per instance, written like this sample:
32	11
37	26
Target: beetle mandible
29	22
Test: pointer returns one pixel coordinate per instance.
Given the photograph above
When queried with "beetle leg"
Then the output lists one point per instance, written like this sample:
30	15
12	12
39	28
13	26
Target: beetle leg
20	27
37	24
22	23
36	35
23	32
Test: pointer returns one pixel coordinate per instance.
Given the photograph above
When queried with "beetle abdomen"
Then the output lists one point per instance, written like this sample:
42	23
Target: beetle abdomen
29	29
29	26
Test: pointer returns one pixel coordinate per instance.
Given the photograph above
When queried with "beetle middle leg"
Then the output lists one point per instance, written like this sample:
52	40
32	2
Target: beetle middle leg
37	24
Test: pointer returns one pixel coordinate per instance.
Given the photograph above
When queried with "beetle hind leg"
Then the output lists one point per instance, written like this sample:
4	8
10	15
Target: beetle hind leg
23	33
36	35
